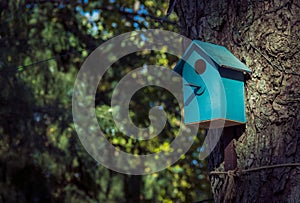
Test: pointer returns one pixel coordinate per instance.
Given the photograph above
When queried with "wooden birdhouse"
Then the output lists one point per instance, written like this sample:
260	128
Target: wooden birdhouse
213	86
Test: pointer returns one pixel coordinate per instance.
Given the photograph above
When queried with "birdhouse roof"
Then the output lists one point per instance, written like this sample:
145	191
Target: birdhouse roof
220	55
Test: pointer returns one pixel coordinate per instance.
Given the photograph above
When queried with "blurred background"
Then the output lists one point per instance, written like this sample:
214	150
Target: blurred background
43	45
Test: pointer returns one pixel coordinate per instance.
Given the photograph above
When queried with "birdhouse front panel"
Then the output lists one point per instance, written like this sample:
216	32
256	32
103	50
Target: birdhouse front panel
213	86
203	91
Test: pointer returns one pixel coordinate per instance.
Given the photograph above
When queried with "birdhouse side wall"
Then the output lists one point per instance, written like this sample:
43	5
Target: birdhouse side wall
233	82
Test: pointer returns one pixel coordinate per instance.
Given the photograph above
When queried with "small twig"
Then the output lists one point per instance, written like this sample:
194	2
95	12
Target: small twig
269	61
269	167
256	169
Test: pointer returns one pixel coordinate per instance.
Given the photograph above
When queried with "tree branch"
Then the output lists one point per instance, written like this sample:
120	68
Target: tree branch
105	8
122	11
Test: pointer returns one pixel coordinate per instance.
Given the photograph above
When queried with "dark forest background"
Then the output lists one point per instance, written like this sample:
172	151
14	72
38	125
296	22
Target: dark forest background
43	45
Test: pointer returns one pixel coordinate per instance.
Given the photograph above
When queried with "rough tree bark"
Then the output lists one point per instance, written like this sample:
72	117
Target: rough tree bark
265	35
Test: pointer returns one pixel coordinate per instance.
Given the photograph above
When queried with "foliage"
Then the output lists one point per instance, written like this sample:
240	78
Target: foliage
41	159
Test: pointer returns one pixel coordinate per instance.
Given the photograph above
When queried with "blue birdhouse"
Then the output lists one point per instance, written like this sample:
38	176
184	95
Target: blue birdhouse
213	86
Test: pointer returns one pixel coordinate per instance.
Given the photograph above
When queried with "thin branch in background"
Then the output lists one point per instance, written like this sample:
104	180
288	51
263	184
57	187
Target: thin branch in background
123	11
158	19
172	4
14	67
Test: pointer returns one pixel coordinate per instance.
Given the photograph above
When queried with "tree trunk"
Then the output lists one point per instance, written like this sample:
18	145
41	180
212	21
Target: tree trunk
132	191
265	35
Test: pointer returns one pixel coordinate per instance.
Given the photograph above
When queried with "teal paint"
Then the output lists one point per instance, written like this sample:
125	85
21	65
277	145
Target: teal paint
217	94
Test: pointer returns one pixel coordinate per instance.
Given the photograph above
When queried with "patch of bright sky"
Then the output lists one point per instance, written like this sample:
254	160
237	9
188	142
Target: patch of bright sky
92	17
195	162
